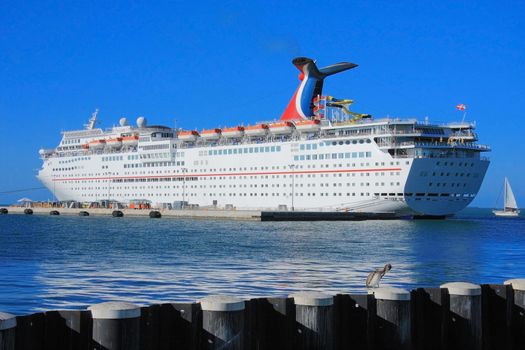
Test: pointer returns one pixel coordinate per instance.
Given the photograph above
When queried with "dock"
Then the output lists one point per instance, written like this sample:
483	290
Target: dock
203	213
457	315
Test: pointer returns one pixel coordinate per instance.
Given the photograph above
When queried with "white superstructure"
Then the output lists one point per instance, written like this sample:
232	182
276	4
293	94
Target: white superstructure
380	166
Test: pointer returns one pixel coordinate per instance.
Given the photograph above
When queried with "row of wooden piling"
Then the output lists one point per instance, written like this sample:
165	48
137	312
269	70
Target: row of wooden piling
457	315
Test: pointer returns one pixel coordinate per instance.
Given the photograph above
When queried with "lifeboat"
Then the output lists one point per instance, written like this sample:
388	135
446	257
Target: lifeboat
256	130
130	140
188	135
211	134
281	128
235	132
115	143
85	146
307	125
97	144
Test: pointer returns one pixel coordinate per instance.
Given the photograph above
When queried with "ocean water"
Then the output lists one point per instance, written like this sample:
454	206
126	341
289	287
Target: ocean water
65	262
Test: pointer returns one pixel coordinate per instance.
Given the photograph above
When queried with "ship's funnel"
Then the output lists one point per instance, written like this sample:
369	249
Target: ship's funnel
301	104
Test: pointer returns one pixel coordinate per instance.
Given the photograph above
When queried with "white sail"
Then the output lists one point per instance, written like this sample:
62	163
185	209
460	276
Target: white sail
510	201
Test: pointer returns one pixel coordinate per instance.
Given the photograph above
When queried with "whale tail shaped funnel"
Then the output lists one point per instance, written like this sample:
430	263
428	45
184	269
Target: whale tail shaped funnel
301	104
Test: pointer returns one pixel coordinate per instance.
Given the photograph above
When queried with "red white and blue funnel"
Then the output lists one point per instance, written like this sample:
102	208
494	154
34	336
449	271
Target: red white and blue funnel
301	104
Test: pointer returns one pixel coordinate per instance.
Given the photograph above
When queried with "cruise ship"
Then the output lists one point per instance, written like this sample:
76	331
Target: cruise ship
319	156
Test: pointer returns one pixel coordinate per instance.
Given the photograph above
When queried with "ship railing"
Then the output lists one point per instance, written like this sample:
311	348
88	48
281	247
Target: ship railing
467	145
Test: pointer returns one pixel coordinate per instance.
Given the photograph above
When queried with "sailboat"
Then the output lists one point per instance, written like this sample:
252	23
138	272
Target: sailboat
510	207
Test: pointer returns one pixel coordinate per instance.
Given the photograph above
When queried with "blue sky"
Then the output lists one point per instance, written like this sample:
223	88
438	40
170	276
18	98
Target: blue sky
204	65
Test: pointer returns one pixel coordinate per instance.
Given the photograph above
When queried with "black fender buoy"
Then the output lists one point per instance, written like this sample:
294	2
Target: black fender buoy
83	213
155	214
54	212
4	211
117	214
28	211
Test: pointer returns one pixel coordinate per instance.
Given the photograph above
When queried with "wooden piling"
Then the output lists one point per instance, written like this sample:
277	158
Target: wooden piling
7	331
116	326
429	314
222	323
464	323
517	313
314	317
393	318
496	307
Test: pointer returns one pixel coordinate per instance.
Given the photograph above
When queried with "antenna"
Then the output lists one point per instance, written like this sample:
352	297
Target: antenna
92	121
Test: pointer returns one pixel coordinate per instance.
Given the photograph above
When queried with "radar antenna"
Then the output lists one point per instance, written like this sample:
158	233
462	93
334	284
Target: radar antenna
92	121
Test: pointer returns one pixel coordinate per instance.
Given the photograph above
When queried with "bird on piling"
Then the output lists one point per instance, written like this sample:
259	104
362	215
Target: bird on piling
372	281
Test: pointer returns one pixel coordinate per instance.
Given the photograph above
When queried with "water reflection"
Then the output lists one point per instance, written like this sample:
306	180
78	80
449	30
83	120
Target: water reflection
71	262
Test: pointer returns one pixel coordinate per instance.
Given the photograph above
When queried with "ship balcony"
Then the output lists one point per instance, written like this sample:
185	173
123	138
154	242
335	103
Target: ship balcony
437	145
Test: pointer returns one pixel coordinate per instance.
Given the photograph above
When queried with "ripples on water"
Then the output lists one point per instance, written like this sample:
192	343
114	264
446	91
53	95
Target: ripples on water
72	262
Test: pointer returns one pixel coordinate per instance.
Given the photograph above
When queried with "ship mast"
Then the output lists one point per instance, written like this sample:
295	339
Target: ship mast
92	121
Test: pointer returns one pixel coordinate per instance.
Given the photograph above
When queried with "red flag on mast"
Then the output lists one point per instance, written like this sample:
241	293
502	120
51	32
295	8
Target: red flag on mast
461	107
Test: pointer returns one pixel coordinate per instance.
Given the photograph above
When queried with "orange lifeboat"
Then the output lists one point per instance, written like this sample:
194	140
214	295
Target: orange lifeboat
256	130
307	125
97	144
210	134
85	146
115	143
188	135
235	132
281	128
130	140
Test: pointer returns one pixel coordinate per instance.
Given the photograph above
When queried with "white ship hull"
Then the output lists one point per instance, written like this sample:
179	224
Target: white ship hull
509	214
376	182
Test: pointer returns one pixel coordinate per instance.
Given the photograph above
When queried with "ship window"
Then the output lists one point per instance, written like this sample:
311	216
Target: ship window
273	148
278	148
334	143
301	147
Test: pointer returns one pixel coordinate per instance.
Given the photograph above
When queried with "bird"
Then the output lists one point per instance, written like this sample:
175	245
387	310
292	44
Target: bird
372	281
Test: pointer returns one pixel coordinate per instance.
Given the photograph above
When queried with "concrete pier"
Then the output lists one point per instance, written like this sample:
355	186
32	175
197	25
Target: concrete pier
209	213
